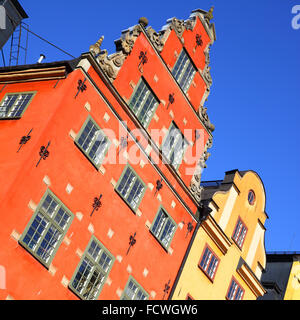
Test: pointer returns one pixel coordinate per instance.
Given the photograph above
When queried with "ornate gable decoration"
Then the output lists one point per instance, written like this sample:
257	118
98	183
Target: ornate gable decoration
195	185
111	64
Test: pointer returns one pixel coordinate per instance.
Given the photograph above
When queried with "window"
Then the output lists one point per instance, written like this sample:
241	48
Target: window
251	197
13	105
163	228
133	291
209	263
47	228
174	146
131	188
235	291
92	271
239	233
184	71
143	103
93	142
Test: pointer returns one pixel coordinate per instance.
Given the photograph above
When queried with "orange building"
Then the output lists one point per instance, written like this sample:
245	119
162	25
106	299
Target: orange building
101	160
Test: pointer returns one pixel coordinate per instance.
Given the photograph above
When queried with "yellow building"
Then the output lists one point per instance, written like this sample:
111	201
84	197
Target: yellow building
226	256
282	276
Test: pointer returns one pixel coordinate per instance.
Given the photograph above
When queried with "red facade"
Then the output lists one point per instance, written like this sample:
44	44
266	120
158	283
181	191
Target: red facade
47	246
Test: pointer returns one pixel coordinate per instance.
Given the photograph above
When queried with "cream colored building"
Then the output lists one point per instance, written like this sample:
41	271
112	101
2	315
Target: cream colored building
227	256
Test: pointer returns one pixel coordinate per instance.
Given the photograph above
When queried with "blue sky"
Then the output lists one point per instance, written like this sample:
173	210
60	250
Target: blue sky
255	97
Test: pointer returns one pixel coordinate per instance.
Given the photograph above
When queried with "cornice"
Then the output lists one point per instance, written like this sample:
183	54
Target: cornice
31	74
251	280
216	234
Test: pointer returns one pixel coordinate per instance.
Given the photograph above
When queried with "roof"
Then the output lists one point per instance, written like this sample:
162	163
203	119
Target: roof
211	187
281	256
18	6
70	65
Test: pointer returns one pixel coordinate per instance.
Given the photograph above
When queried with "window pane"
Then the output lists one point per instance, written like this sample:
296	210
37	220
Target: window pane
143	103
163	228
212	266
159	223
93	142
14	105
174	146
94	250
97	151
49	243
82	275
47	229
62	218
131	188
91	289
49	205
35	231
232	290
205	259
167	233
7	104
92	272
184	71
179	65
135	194
141	296
126	183
133	291
20	105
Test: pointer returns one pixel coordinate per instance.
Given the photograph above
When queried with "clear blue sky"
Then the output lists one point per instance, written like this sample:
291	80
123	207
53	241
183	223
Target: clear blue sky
255	97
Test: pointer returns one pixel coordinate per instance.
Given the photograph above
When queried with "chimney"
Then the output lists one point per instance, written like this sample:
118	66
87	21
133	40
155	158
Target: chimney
42	57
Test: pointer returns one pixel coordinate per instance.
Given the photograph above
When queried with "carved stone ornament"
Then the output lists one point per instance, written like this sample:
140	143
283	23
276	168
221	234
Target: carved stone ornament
111	64
196	191
207	55
207	76
95	49
178	26
204	117
155	39
195	185
209	15
190	24
126	43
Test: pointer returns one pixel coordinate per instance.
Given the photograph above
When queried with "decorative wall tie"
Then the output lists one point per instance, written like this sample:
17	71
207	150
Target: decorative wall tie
190	228
171	100
132	242
44	153
166	289
24	140
199	41
159	186
81	86
143	59
97	204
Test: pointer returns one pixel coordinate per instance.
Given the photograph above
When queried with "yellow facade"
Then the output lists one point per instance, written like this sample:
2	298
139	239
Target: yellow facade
244	263
293	287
